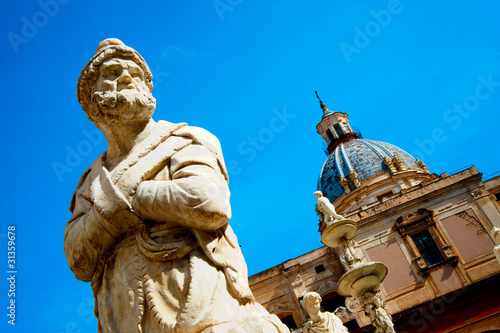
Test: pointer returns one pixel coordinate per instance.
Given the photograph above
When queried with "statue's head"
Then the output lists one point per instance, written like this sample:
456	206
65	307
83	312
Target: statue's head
312	302
318	194
115	86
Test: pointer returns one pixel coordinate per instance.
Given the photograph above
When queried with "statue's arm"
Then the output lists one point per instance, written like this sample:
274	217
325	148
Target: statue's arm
93	229
197	196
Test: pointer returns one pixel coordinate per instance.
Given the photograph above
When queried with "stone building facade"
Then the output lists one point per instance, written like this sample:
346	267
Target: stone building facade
431	231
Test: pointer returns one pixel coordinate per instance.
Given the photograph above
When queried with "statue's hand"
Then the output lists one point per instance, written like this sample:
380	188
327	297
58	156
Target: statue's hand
112	204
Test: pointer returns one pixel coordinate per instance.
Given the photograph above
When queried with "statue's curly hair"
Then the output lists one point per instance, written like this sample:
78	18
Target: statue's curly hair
311	296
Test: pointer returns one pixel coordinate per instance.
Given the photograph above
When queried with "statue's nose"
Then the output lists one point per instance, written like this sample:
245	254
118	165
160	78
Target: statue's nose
125	77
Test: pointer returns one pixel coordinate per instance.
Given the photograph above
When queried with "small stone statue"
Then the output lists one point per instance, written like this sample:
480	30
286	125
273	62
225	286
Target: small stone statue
150	216
348	255
326	208
495	233
374	308
321	322
354	178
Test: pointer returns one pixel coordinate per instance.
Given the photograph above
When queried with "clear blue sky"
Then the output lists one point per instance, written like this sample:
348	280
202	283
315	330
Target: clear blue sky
423	75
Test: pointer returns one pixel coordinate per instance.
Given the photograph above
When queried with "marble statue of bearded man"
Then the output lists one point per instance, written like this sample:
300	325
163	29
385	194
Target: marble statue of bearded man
150	216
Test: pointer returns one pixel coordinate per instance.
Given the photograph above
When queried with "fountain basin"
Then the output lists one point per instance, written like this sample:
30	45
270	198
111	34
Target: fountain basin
336	231
364	278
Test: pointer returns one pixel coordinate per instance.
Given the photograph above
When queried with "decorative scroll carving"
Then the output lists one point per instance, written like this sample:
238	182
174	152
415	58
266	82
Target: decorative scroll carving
422	165
388	163
398	162
352	304
345	184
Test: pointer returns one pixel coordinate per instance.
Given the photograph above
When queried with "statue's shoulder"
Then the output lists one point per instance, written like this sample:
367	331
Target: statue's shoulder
197	134
200	136
323	200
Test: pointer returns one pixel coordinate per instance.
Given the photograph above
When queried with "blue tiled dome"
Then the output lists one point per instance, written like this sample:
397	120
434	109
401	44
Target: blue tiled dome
365	157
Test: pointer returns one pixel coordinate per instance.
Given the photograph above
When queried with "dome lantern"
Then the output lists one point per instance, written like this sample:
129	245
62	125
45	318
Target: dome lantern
334	127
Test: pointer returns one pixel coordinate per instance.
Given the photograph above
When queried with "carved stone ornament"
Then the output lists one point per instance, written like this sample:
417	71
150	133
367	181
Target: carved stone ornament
354	178
448	251
327	287
352	304
421	262
321	322
388	163
422	165
398	162
150	216
279	307
476	193
345	184
414	222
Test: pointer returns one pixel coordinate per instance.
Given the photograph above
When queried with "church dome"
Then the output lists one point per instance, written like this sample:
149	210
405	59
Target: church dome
359	173
363	157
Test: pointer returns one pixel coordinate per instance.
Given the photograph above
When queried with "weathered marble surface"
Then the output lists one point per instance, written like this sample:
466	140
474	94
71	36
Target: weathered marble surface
321	322
150	216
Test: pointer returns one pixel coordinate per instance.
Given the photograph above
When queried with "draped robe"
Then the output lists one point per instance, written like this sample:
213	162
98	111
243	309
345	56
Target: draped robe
152	237
329	323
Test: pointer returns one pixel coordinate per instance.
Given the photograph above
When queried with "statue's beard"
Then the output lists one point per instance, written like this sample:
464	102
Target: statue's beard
121	107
